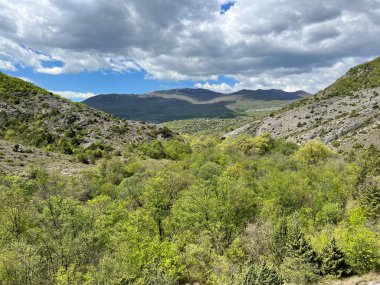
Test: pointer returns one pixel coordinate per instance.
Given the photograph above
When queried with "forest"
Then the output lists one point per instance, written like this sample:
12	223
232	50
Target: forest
196	210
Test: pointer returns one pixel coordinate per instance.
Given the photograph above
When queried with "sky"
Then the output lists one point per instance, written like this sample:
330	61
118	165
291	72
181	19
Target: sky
79	48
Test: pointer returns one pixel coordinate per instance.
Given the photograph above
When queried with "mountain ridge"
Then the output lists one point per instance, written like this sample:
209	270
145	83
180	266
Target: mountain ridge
175	104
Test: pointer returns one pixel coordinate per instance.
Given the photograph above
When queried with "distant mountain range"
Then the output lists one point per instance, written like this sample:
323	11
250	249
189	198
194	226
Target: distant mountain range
187	103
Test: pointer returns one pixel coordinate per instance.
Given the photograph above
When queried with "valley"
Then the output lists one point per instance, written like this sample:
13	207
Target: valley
285	196
162	142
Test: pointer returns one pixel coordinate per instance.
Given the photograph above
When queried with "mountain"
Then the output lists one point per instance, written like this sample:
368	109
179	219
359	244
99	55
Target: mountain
179	104
34	117
195	93
270	95
345	114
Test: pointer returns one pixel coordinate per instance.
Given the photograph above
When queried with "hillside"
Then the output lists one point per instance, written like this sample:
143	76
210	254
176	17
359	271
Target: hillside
21	160
251	210
245	210
179	104
35	117
345	114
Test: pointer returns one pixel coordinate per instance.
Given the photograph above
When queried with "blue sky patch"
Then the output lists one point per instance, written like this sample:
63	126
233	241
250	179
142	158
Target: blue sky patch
226	6
101	82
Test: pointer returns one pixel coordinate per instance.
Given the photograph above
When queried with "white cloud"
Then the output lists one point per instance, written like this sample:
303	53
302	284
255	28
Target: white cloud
26	79
16	54
6	65
74	95
219	87
322	77
288	44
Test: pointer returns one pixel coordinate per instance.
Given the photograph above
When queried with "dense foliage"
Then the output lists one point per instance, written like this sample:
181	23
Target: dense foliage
213	126
239	211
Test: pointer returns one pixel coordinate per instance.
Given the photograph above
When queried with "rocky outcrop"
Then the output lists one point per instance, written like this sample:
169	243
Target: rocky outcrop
338	121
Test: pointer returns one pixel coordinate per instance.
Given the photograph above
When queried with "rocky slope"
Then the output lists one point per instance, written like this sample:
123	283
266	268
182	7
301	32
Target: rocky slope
21	160
36	117
345	114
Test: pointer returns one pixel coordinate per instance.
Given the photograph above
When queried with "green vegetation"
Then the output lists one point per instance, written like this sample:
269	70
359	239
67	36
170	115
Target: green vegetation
33	131
250	210
10	86
185	210
31	127
213	126
361	77
32	116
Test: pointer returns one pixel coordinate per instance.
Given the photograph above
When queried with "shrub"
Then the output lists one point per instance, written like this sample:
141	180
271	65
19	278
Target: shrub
313	152
152	149
176	150
359	243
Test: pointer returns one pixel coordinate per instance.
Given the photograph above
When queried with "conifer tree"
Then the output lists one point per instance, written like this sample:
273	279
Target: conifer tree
302	265
262	274
279	241
334	262
370	196
368	183
299	247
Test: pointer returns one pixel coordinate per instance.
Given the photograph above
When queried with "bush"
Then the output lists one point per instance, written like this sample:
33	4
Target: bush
176	150
249	145
360	244
92	153
152	149
313	152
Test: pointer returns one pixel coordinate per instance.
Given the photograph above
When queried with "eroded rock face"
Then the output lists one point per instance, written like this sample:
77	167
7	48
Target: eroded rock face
338	121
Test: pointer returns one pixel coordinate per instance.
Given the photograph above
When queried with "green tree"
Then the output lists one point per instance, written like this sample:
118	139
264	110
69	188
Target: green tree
334	261
301	264
368	182
160	194
359	241
313	152
262	274
176	150
370	196
278	244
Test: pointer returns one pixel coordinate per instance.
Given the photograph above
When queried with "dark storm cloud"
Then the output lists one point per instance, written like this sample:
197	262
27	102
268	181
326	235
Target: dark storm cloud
322	33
